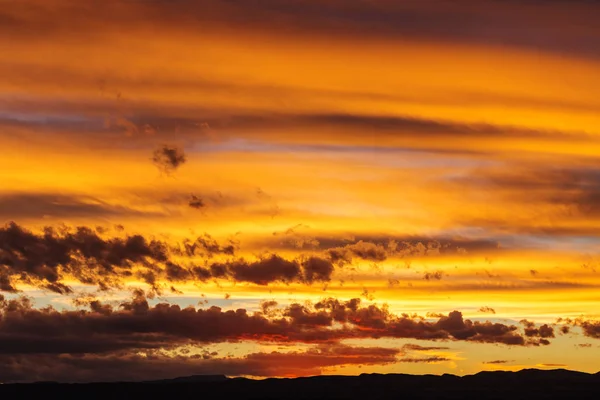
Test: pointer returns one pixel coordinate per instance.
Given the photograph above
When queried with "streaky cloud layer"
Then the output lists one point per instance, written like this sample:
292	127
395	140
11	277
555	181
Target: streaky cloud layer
297	187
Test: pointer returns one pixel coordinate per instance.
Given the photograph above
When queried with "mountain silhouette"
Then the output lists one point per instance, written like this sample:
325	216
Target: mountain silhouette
525	384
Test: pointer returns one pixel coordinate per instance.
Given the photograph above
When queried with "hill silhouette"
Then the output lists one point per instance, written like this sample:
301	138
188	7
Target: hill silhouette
526	384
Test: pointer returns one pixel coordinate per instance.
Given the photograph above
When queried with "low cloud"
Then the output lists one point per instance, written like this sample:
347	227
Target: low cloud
591	328
543	332
135	325
120	366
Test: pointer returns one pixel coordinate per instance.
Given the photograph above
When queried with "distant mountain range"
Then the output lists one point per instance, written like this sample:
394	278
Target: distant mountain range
526	384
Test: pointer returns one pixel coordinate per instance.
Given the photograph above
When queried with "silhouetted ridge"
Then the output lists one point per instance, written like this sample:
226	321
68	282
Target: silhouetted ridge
192	379
526	384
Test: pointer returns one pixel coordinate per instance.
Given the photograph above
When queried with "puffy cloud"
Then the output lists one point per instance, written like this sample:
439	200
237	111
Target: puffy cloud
486	332
168	158
136	326
268	269
531	330
80	253
590	328
272	268
317	269
543	332
47	258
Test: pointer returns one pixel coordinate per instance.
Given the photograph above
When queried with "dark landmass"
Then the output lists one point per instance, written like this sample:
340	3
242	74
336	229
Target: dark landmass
525	384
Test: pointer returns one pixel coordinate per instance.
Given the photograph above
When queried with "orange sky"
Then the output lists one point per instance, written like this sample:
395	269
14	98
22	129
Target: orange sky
420	155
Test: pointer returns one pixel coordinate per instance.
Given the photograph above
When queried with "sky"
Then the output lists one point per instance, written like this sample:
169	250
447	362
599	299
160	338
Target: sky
296	188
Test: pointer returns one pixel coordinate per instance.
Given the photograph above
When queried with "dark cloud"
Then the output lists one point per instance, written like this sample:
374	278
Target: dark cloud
42	205
168	158
486	332
543	332
317	269
345	131
80	253
437	275
487	309
6	284
549	182
269	269
590	328
497	362
196	202
136	325
471	22
382	324
48	258
119	366
274	268
176	273
396	129
573	190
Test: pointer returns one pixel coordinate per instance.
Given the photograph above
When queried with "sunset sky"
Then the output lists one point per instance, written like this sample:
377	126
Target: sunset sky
298	187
